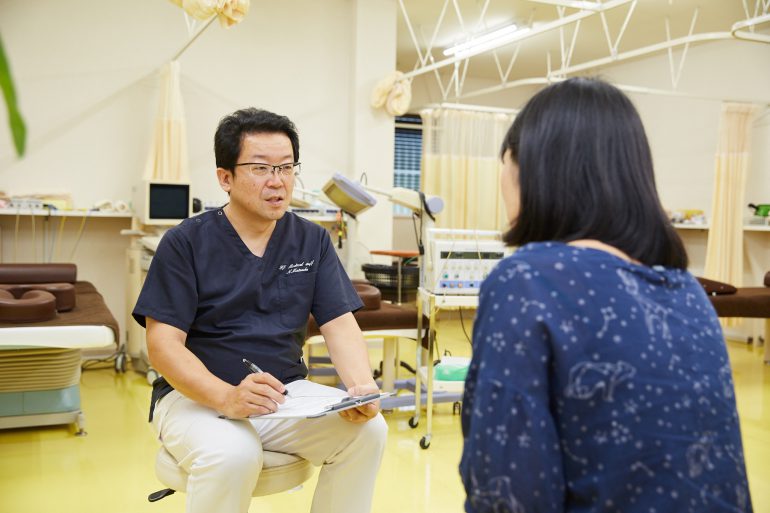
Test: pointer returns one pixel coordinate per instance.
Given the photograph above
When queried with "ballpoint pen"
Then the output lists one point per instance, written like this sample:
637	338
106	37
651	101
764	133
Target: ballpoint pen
256	370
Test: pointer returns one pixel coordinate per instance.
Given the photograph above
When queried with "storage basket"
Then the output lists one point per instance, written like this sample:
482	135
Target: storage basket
386	276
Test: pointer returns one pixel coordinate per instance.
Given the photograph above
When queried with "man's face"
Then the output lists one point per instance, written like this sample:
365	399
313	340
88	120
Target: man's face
263	198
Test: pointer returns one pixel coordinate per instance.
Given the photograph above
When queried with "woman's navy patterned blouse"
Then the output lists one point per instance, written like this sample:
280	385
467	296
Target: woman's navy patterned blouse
598	385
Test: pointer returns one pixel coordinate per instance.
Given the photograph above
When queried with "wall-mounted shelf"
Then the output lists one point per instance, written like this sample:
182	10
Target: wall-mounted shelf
686	226
705	227
756	228
45	212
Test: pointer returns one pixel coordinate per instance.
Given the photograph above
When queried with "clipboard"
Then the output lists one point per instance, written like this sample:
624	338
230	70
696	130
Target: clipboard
314	407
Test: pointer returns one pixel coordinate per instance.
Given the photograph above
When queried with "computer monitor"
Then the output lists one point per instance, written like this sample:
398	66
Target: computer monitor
162	203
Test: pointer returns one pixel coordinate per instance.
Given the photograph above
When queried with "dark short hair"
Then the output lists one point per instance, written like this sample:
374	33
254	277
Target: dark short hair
585	172
234	127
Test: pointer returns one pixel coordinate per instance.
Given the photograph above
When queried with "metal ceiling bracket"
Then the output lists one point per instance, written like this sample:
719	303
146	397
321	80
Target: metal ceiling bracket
614	46
675	76
573	18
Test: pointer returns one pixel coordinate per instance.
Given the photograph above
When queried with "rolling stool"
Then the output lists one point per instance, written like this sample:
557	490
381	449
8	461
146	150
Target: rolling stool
280	472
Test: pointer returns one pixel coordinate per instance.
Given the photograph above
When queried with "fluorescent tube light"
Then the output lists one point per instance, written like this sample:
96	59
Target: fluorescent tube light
487	41
575	4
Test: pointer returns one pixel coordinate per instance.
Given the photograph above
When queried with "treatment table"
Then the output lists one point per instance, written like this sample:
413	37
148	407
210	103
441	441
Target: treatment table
40	362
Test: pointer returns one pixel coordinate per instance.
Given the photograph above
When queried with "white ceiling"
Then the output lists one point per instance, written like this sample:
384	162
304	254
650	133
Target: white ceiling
646	26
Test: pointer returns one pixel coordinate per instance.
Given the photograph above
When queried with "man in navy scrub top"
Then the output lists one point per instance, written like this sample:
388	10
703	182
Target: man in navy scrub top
239	283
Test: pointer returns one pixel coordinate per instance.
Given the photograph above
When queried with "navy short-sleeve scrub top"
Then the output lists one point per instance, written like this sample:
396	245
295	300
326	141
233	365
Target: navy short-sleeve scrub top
233	304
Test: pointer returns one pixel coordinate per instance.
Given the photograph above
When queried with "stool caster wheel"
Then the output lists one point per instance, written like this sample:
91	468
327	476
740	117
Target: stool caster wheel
413	422
80	422
152	375
425	442
120	363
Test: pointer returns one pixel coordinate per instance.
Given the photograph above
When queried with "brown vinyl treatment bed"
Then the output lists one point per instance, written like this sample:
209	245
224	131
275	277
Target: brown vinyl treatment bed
40	344
747	302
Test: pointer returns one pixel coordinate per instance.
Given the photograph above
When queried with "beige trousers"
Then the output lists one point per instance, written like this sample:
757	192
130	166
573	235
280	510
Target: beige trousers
224	457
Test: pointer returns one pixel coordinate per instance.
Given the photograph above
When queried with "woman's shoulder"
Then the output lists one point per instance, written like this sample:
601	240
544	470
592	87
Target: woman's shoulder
536	257
526	265
553	264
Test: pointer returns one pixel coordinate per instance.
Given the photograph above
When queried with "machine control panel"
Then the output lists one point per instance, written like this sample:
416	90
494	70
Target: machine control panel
459	266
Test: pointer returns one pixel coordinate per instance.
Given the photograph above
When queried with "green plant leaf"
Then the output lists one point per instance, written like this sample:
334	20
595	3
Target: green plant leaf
16	122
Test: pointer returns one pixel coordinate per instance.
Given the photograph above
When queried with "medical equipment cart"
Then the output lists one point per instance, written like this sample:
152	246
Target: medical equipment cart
432	303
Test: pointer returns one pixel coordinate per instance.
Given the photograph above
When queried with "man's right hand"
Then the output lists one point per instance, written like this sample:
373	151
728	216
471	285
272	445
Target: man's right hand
258	394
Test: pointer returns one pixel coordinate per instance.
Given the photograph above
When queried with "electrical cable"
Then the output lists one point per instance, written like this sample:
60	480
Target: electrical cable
93	364
45	237
462	323
80	234
34	238
437	351
57	249
50	240
16	237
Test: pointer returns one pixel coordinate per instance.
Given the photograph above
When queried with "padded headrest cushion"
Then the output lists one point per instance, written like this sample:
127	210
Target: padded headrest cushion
32	306
38	273
63	292
370	295
716	288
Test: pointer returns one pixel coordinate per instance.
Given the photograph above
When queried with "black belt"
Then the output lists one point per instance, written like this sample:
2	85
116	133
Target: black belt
160	388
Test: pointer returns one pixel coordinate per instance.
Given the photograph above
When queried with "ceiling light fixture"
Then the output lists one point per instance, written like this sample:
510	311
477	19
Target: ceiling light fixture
487	41
575	4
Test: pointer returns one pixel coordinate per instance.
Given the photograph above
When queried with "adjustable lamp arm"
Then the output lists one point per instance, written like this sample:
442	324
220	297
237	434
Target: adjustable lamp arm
410	199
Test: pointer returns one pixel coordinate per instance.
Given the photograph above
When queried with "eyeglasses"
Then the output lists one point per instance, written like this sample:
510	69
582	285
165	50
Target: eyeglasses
261	170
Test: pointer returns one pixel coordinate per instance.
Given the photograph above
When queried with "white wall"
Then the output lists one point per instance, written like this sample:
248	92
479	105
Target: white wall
372	133
87	79
683	132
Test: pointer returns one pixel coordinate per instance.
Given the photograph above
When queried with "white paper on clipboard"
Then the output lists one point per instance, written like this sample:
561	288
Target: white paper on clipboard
318	406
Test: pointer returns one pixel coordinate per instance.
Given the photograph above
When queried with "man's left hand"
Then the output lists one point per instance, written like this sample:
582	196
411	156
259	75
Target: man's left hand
363	413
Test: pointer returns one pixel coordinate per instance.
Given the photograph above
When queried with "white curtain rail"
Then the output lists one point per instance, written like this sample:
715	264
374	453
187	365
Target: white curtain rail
738	32
524	35
642	90
469	107
664	92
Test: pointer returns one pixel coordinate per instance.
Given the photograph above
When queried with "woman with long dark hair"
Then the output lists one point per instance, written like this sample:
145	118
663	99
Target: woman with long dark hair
600	380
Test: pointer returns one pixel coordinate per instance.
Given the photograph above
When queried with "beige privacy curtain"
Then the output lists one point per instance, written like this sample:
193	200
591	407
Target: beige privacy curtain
167	159
724	250
461	164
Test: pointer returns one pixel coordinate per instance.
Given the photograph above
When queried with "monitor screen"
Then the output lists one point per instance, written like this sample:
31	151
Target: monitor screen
168	201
